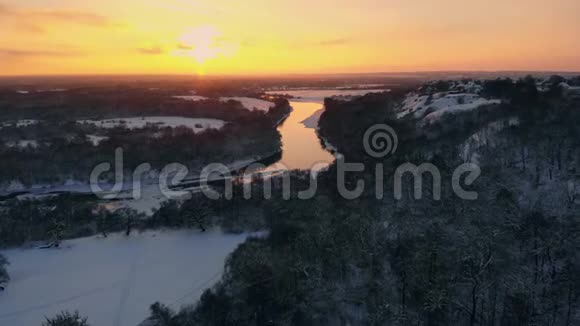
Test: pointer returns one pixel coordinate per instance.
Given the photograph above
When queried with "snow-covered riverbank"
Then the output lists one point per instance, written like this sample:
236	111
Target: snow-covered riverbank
113	280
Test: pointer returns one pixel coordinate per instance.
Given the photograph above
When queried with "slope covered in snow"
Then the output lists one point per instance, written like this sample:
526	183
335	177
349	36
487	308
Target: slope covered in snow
430	108
312	121
113	280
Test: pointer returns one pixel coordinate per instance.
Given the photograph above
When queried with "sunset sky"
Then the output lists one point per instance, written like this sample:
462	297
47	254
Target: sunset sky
225	37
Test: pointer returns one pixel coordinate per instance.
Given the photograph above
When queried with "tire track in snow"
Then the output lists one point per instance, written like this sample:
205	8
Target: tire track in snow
129	282
196	289
61	301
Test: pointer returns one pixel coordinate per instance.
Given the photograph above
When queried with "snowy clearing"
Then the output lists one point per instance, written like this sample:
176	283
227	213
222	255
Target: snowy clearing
113	280
196	124
19	123
191	97
318	95
22	144
96	140
251	103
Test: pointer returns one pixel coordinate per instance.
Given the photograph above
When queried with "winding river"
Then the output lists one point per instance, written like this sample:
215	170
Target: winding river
301	146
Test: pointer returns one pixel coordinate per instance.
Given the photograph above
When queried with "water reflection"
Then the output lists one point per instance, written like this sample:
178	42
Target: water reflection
301	147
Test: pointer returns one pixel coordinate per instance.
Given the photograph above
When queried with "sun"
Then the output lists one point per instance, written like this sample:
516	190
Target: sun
204	43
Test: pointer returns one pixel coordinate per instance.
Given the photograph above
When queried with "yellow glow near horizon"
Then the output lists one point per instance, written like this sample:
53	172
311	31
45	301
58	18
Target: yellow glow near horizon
203	44
276	37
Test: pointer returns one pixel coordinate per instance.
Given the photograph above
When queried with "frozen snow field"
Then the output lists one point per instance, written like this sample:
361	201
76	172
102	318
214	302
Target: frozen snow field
251	103
113	280
191	97
196	124
318	95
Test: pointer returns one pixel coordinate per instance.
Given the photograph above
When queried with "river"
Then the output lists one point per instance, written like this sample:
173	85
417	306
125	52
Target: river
301	146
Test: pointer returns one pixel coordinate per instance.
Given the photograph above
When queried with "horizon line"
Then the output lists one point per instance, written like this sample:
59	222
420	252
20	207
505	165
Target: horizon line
280	75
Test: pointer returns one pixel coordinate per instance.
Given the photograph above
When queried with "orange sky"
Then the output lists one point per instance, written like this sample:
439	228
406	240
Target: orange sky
218	37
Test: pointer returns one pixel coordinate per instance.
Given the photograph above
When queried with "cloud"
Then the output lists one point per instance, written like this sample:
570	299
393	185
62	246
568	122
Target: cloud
36	53
5	10
71	16
38	16
153	50
28	28
322	43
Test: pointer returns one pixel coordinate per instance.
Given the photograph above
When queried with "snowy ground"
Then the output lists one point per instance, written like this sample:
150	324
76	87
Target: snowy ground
486	137
251	103
312	121
19	123
431	108
96	140
318	95
151	196
113	281
191	97
22	144
196	124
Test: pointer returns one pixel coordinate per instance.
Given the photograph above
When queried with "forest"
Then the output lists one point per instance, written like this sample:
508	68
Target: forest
510	257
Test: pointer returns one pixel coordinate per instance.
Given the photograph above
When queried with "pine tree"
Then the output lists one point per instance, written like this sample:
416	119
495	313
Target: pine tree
4	277
103	223
66	319
56	232
162	315
196	215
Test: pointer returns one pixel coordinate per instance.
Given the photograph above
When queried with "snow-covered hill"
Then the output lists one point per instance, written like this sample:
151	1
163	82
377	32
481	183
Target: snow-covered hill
431	108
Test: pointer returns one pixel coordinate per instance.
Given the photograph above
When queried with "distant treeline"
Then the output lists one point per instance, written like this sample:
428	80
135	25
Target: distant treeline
63	151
